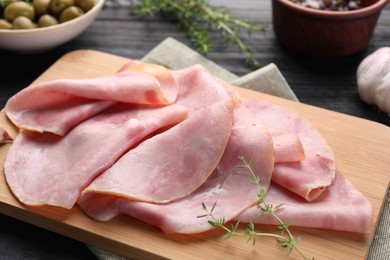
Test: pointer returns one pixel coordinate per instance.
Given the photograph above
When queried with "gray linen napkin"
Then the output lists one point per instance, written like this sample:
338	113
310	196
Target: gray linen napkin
175	55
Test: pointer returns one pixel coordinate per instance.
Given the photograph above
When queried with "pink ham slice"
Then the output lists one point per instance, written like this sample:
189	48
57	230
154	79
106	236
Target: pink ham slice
287	146
57	106
174	163
228	185
200	88
167	90
50	169
341	207
307	178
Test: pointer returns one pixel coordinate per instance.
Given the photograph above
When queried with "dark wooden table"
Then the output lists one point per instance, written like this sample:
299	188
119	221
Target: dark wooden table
326	83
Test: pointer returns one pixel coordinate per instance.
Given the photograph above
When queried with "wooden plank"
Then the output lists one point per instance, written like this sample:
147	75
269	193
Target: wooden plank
362	155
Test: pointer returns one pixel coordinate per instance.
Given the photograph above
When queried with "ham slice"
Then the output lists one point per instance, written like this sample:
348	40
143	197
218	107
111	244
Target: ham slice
228	185
167	91
341	207
50	169
57	106
174	163
287	146
307	178
200	88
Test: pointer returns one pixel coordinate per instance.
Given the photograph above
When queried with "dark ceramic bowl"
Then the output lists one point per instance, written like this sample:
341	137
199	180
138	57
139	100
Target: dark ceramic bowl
325	33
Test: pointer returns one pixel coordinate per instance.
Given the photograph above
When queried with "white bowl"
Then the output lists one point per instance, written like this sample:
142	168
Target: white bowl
42	39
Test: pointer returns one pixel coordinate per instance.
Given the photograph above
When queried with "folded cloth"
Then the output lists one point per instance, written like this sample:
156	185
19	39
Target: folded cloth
267	79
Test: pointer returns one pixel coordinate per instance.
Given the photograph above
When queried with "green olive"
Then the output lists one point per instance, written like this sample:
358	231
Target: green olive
7	2
41	7
3	5
22	22
57	6
86	5
16	9
70	13
47	20
41	13
4	24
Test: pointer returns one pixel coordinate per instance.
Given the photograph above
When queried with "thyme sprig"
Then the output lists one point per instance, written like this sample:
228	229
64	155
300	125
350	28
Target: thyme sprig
285	237
199	19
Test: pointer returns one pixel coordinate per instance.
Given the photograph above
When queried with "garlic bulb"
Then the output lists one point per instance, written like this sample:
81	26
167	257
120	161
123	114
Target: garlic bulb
373	79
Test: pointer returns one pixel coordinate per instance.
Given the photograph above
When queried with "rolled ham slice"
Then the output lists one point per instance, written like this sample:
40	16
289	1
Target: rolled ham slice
307	178
287	146
174	163
58	105
341	207
228	185
47	169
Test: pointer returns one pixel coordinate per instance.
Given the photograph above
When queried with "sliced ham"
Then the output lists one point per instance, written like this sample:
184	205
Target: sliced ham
200	88
158	162
287	146
58	105
174	163
309	177
341	207
167	91
49	169
228	185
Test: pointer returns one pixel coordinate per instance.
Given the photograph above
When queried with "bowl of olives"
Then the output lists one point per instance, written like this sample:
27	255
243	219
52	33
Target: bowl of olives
40	25
326	28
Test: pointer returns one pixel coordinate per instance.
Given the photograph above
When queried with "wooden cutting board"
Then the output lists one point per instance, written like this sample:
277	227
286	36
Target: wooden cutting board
361	147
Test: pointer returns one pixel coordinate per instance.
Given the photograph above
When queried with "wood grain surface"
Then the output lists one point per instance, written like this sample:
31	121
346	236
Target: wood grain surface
362	155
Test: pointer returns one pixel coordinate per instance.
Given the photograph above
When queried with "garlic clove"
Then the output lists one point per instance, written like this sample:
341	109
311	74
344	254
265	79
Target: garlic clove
373	79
